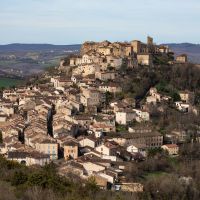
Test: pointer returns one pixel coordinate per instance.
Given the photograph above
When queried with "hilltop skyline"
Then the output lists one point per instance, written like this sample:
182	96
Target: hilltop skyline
73	22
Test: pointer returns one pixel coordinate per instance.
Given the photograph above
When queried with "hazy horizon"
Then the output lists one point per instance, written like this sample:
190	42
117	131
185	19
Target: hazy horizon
73	22
18	43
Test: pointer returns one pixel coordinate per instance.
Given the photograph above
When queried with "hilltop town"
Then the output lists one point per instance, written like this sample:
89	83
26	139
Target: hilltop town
102	111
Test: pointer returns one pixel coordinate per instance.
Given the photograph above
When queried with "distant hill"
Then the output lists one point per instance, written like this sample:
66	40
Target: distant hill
26	59
192	50
38	47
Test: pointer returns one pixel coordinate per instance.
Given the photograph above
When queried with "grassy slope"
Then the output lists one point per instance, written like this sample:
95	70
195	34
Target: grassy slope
8	82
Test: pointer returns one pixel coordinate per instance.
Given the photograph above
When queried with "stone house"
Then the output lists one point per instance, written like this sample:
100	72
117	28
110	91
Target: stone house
125	116
87	69
61	82
75	61
136	148
154	93
82	120
36	158
70	150
49	147
29	158
182	58
110	87
100	128
105	50
89	141
145	59
142	115
156	97
145	140
176	136
172	149
103	123
151	100
163	49
114	61
108	148
187	96
90	97
91	167
105	75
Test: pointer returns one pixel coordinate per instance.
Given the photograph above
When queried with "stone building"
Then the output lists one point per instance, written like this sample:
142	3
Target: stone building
70	150
145	59
182	58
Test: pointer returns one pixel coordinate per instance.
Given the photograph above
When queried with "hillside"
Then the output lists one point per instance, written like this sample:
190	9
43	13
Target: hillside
26	59
37	47
192	50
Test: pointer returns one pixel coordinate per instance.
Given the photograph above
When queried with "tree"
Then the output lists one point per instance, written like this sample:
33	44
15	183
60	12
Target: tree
165	187
108	97
91	185
19	178
175	96
153	151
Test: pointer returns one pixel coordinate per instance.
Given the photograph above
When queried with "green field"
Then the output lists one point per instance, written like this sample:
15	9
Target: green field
9	82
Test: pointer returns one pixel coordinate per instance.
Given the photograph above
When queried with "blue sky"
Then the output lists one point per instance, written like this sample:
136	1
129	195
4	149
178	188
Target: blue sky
75	21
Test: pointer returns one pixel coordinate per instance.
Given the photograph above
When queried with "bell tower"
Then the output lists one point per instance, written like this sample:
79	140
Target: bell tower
149	40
